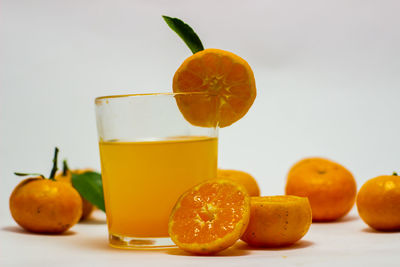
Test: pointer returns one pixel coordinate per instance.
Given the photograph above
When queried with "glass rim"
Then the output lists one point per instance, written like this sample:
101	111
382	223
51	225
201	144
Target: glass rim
101	98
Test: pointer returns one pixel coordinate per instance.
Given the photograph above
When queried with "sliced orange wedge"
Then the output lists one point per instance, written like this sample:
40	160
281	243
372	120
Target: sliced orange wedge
217	73
210	217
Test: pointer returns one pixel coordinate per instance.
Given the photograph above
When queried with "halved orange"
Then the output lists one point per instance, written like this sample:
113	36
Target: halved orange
210	217
217	73
277	221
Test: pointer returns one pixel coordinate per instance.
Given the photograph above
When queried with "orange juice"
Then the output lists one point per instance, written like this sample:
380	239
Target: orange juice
143	180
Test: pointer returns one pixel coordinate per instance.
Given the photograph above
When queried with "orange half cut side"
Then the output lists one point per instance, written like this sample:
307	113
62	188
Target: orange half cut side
210	217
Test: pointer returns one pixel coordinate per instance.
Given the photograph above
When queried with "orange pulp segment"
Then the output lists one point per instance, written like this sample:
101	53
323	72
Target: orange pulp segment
217	73
210	217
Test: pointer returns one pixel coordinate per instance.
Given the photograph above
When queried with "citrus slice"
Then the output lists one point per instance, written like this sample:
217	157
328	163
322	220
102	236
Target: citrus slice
217	73
277	221
210	217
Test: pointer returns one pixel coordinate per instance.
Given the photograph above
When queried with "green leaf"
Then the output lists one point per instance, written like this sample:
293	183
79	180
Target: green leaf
90	186
186	33
55	163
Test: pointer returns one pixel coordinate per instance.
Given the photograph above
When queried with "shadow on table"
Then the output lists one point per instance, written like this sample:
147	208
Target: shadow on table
19	230
230	252
373	231
101	244
298	245
345	219
94	220
242	249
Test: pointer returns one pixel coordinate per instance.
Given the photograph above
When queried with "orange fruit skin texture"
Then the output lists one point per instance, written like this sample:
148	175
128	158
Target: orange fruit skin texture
242	178
277	221
87	207
45	206
219	73
378	203
330	187
210	217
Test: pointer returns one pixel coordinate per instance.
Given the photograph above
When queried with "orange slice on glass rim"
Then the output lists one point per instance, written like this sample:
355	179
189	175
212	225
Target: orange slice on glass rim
217	73
210	217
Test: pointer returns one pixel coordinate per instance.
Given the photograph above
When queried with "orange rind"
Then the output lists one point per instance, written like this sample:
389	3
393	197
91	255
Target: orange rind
330	187
277	221
242	178
378	203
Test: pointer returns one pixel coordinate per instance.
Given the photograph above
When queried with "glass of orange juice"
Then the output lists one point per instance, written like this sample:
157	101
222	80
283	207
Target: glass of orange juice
150	154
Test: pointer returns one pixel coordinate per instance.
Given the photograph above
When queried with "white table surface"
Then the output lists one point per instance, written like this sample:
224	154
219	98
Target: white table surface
328	81
348	242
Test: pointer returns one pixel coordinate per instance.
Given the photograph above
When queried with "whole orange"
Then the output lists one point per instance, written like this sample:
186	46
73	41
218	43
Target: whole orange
45	206
330	187
378	202
242	178
277	221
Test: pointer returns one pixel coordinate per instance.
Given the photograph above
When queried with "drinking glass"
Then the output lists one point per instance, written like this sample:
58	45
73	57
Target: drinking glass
150	154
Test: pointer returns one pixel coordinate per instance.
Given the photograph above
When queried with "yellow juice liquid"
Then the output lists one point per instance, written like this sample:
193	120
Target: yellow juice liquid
143	180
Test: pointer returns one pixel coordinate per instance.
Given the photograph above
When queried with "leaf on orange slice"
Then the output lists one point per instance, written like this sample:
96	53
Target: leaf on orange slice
210	217
185	32
220	73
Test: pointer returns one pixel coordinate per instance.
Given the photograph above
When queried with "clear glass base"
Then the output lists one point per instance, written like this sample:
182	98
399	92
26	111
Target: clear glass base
127	242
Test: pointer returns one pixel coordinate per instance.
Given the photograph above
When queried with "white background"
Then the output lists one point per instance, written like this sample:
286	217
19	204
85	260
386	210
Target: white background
327	75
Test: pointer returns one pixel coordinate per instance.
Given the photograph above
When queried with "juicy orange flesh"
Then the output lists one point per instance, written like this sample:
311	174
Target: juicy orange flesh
209	213
201	108
219	75
215	74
